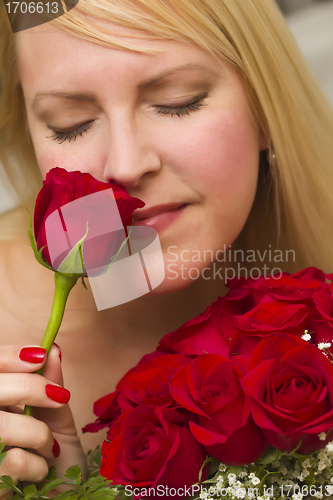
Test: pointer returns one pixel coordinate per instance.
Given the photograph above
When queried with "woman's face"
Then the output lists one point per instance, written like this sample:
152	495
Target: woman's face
172	128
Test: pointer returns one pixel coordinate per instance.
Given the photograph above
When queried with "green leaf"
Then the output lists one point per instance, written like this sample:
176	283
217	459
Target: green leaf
73	264
38	254
3	456
270	456
29	491
51	486
74	473
52	475
7	480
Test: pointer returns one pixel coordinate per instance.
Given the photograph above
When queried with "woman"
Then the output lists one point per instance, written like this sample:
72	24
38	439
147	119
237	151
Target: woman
206	105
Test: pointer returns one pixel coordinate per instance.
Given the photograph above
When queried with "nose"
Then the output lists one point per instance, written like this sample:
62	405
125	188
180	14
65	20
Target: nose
132	154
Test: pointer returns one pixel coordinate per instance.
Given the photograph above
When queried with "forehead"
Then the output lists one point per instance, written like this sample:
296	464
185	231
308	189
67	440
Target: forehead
45	51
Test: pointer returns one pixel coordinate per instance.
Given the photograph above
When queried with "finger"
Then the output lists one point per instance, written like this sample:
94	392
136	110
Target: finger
31	389
21	358
13	409
22	465
52	369
27	432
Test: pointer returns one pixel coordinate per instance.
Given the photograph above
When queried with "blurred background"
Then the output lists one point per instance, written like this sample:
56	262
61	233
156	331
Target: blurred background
311	22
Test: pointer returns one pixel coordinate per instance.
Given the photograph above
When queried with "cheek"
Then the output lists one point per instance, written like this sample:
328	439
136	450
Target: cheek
219	160
67	157
220	155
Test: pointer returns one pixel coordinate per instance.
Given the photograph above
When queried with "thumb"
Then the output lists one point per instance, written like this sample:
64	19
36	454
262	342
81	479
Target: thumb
59	420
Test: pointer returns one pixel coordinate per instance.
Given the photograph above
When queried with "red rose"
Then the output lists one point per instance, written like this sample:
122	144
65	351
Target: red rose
147	383
210	388
149	447
298	287
210	331
61	188
107	410
290	385
265	319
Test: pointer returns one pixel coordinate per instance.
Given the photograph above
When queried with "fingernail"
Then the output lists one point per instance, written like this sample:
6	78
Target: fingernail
32	354
57	393
56	449
57	345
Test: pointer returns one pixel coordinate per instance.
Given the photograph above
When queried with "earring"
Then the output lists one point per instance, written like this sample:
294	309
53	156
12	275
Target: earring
271	157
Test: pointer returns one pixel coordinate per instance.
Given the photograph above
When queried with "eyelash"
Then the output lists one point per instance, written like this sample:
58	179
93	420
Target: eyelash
184	110
62	137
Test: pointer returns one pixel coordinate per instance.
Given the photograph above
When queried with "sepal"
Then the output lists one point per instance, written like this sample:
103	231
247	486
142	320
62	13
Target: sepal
271	455
73	262
38	254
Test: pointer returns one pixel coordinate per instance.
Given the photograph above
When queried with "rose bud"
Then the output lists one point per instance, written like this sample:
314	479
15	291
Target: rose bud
67	216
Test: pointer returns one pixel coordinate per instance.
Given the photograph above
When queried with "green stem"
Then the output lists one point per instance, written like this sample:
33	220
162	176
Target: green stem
63	285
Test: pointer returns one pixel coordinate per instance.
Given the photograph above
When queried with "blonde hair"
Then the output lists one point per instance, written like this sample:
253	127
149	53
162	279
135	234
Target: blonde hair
293	208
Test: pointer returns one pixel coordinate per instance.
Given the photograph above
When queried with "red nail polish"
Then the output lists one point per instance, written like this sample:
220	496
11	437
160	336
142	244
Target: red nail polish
56	449
32	354
57	345
57	394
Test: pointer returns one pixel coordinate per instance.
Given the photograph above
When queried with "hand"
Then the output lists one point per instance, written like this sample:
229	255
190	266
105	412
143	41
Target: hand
49	437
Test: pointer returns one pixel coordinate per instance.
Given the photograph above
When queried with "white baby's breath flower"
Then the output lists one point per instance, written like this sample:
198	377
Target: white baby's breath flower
220	481
306	335
324	345
212	491
222	467
322	436
329	489
329	447
232	478
240	492
306	463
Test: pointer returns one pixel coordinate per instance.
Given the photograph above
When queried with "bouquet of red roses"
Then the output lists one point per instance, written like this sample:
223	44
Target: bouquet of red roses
240	396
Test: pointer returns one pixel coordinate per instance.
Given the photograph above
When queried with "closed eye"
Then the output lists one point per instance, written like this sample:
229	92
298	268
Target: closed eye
61	136
183	110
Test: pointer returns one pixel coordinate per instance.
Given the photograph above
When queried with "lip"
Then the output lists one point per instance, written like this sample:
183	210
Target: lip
160	216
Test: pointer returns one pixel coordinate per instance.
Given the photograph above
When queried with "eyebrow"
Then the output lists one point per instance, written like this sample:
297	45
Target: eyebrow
143	85
64	95
190	66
